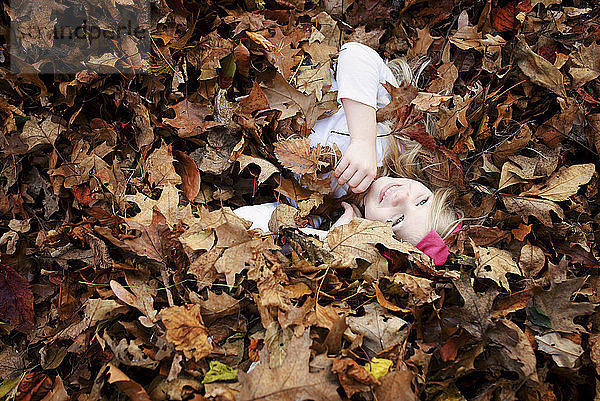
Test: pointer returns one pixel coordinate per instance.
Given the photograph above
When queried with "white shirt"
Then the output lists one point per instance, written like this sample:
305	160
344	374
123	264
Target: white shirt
360	74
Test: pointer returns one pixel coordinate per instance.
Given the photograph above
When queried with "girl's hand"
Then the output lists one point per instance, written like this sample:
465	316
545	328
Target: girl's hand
358	166
350	212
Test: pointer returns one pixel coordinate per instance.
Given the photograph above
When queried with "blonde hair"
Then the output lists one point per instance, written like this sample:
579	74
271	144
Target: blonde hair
403	159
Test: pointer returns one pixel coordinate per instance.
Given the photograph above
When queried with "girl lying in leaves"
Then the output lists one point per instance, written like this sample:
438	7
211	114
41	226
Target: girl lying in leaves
397	194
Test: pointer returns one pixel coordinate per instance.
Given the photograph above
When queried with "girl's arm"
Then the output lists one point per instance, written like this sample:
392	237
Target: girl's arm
358	165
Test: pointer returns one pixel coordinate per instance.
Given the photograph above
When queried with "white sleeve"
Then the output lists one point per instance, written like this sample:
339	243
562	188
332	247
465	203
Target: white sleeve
259	215
357	74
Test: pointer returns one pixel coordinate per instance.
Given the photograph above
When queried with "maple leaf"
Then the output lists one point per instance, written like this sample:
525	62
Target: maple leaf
186	330
37	132
167	204
16	299
291	381
191	118
284	97
297	155
160	168
156	241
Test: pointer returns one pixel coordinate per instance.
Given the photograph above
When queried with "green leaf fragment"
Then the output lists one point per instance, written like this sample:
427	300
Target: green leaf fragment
219	372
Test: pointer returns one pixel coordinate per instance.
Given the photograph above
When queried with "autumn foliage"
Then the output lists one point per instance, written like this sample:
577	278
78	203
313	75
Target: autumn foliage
125	273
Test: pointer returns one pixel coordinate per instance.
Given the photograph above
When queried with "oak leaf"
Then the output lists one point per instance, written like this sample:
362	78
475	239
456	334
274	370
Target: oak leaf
291	381
419	289
539	208
379	329
557	305
186	330
564	183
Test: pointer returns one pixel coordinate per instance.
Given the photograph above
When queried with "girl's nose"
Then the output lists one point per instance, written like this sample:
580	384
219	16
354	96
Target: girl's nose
400	197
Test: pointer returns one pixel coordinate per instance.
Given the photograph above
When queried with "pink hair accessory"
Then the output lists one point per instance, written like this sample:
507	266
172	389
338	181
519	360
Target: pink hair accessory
434	246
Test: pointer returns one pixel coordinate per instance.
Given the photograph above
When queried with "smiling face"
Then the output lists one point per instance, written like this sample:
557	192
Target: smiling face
404	202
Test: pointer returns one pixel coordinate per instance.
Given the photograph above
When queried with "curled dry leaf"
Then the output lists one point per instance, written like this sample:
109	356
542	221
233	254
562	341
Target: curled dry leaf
353	377
564	183
419	289
189	173
564	352
186	330
495	264
131	388
267	169
532	260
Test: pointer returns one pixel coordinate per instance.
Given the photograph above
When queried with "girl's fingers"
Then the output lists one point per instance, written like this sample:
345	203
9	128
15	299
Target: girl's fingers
357	212
356	179
341	167
347	175
364	185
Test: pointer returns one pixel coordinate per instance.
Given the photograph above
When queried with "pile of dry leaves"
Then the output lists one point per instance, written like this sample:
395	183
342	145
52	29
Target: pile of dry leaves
125	273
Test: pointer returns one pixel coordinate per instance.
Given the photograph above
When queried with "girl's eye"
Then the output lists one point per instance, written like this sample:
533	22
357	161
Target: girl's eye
399	220
424	201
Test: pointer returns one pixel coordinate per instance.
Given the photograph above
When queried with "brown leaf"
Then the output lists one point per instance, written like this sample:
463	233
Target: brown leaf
539	70
516	352
297	155
495	264
358	239
167	204
16	300
191	118
397	385
37	132
381	299
564	183
156	241
186	330
284	97
186	168
532	260
539	208
563	351
256	100
131	388
267	169
314	79
556	304
353	377
379	329
160	168
419	289
291	381
219	305
474	316
401	98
